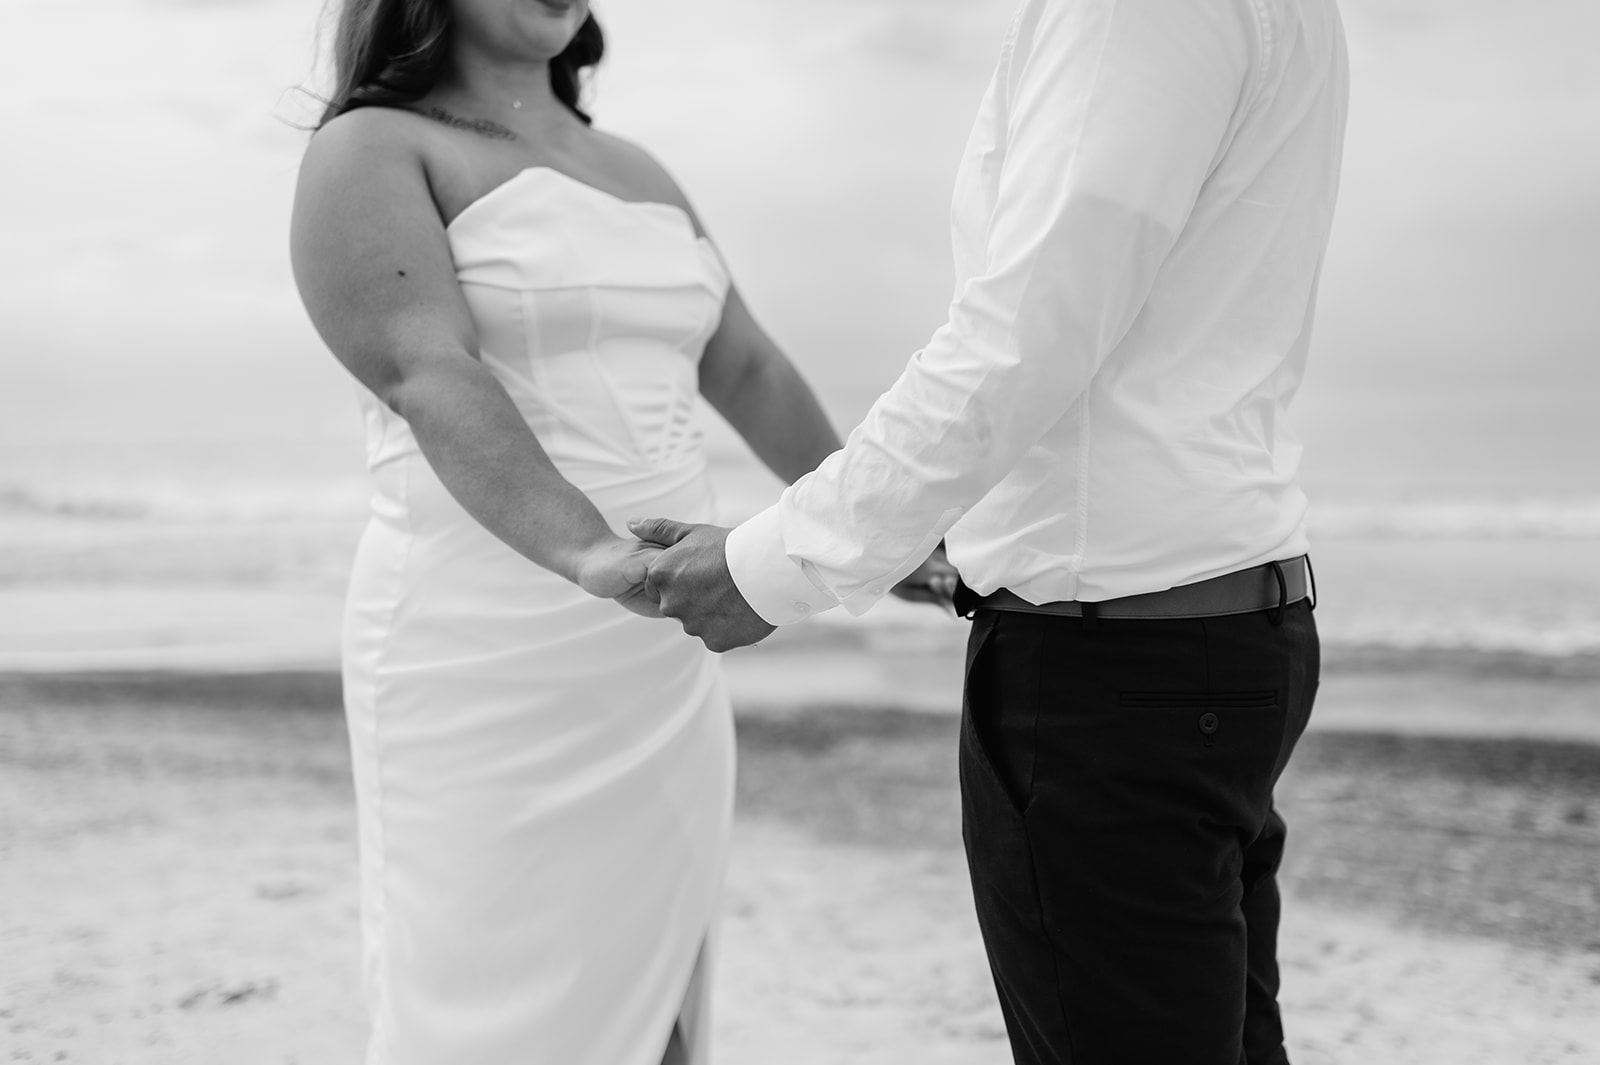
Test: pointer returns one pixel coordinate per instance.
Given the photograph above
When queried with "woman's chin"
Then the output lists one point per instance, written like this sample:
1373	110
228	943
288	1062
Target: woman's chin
567	14
550	25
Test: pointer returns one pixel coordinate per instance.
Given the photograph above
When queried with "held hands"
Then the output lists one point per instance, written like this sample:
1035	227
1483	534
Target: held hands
616	569
932	582
680	571
689	581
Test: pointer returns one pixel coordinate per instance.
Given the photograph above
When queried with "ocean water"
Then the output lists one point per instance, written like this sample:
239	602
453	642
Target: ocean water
169	424
1461	576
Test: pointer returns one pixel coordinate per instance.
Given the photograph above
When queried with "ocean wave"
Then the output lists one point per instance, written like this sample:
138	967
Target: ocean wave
1574	638
345	498
210	500
25	501
1389	632
1460	519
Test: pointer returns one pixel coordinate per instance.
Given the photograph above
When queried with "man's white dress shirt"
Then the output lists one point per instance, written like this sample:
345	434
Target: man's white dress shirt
1139	223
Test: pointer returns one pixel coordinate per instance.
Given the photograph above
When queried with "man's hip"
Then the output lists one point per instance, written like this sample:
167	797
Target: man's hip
1273	586
1117	778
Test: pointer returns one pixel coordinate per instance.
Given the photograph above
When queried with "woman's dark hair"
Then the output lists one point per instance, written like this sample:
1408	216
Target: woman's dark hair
390	53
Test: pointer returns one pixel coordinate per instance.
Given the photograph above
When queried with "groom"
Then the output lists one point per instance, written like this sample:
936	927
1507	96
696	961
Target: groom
1100	435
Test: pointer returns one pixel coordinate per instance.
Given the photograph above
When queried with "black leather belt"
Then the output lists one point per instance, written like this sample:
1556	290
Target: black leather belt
1273	586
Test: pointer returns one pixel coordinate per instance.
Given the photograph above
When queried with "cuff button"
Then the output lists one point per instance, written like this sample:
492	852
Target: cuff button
802	608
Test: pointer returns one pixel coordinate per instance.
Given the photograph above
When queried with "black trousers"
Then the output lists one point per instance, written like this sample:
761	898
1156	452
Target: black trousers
1116	788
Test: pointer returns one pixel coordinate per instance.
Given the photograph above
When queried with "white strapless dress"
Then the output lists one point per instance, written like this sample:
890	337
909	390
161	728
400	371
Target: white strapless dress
544	781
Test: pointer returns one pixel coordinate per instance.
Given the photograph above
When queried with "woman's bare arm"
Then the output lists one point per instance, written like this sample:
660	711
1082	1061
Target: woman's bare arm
748	379
374	269
752	384
743	374
755	387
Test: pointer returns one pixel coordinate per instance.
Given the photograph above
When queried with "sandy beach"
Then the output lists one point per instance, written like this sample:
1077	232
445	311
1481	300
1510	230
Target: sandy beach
178	861
182	485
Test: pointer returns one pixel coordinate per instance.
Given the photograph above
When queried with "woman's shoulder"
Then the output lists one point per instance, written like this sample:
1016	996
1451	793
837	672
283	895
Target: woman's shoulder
373	159
374	135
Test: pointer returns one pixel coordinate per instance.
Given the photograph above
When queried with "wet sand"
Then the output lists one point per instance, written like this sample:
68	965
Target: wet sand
177	859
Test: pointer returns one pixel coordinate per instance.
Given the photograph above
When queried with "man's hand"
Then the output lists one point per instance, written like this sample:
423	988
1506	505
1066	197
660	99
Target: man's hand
690	581
932	582
615	569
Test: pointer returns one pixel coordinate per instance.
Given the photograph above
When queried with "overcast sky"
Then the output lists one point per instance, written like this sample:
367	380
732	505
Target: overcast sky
144	287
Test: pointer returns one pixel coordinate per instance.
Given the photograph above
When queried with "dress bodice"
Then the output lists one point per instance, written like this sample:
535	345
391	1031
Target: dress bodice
593	312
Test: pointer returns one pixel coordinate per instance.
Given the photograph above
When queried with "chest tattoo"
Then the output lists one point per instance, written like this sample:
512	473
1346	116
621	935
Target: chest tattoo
481	126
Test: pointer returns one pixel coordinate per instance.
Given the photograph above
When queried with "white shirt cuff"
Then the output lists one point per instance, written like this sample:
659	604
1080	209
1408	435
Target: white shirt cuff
770	581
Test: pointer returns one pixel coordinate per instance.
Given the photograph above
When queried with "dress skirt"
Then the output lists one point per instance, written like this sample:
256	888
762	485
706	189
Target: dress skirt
544	785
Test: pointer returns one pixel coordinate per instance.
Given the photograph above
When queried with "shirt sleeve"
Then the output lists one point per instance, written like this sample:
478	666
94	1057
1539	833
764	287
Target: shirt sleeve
1112	114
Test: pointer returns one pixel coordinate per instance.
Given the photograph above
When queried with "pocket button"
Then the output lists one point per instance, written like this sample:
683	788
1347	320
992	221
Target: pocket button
1208	724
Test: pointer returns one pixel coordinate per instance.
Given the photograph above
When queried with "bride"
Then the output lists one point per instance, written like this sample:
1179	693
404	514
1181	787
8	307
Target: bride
543	778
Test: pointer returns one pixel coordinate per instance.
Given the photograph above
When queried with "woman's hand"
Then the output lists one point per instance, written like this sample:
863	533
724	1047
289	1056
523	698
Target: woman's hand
615	569
932	582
